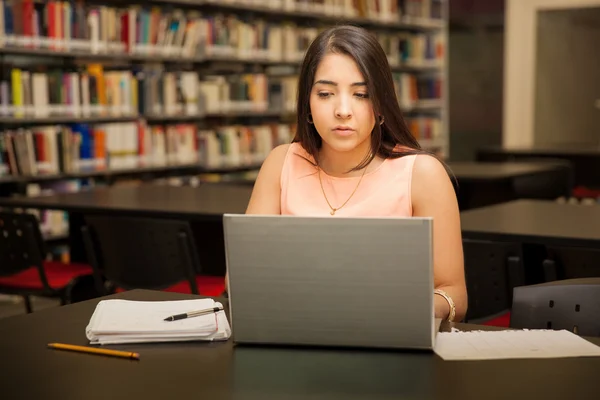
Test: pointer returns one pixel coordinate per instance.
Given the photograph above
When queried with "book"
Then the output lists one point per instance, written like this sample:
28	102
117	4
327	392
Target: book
126	321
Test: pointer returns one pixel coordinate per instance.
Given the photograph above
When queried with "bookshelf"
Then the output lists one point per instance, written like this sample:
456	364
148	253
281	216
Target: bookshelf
95	90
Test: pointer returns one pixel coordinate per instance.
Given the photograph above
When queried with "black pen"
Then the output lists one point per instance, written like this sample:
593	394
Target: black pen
193	314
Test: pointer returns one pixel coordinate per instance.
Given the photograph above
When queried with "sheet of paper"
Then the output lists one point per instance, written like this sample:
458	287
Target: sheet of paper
148	316
512	344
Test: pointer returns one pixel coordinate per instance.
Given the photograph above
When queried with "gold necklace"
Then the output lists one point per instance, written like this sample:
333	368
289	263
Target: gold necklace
333	210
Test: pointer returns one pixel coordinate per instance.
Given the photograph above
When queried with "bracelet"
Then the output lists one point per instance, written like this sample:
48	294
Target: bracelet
452	313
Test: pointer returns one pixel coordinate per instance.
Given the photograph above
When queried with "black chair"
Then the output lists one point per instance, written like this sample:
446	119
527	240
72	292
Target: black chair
143	253
492	270
23	268
564	262
571	304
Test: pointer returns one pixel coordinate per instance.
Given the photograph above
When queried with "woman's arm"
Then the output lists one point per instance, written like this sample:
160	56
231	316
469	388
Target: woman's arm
266	194
433	196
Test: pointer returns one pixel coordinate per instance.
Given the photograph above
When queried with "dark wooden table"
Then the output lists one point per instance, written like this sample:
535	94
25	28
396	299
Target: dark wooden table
478	171
535	221
555	241
203	206
584	158
208	201
222	370
481	184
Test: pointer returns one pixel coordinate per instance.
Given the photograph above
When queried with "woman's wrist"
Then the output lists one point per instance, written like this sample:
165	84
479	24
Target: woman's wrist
441	307
444	305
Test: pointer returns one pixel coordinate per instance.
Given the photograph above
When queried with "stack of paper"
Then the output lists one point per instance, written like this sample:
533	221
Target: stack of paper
125	321
511	344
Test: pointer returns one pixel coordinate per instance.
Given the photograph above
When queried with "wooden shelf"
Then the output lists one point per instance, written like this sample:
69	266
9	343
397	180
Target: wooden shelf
402	23
425	65
128	57
67	119
63	119
224	114
98	57
434	105
173	168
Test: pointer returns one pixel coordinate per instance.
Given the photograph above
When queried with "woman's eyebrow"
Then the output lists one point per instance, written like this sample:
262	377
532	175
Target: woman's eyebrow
328	82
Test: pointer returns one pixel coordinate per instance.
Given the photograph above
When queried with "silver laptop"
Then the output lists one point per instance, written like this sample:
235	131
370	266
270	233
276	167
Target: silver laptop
325	281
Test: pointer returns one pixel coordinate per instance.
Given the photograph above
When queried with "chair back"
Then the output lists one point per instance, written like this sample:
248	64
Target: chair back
141	253
571	304
566	262
492	270
21	244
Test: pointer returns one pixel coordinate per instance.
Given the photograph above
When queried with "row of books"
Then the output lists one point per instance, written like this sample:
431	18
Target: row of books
67	19
152	31
56	149
93	91
422	8
173	93
51	150
376	10
414	49
428	130
412	89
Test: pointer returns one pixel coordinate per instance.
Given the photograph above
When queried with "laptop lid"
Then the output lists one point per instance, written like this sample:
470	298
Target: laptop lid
365	282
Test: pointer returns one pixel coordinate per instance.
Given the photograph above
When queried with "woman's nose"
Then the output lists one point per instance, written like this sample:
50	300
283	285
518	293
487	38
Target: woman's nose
343	109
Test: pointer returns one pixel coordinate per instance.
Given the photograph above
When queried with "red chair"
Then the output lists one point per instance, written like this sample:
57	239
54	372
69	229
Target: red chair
582	192
211	286
23	270
502	320
146	253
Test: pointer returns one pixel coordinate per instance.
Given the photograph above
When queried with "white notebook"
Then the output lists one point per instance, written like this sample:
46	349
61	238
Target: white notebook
126	321
512	344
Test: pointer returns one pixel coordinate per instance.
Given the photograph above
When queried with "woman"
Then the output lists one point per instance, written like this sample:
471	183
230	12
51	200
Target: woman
353	155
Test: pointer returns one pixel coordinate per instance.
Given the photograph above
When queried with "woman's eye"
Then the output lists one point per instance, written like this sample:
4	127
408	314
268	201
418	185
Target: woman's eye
323	95
362	95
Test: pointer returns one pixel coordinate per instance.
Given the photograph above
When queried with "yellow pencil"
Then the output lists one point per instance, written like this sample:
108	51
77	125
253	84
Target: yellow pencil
93	350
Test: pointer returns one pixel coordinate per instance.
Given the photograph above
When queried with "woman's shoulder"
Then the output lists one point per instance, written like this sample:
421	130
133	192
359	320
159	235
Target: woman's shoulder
430	173
425	169
428	166
424	159
282	154
280	151
276	158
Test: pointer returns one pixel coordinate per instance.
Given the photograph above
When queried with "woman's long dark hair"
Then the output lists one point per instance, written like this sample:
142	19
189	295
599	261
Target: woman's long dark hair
364	48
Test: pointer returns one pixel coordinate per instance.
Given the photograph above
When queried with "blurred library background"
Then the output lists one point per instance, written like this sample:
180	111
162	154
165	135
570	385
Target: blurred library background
130	101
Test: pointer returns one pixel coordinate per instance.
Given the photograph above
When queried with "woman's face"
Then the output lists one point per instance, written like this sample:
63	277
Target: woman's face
341	109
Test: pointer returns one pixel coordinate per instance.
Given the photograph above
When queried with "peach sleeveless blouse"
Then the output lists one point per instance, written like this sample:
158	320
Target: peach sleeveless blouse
383	192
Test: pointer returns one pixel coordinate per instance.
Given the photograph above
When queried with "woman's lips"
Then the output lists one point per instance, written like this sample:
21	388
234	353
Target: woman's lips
343	130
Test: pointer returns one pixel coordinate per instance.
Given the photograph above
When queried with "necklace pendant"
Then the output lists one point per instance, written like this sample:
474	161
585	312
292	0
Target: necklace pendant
332	212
